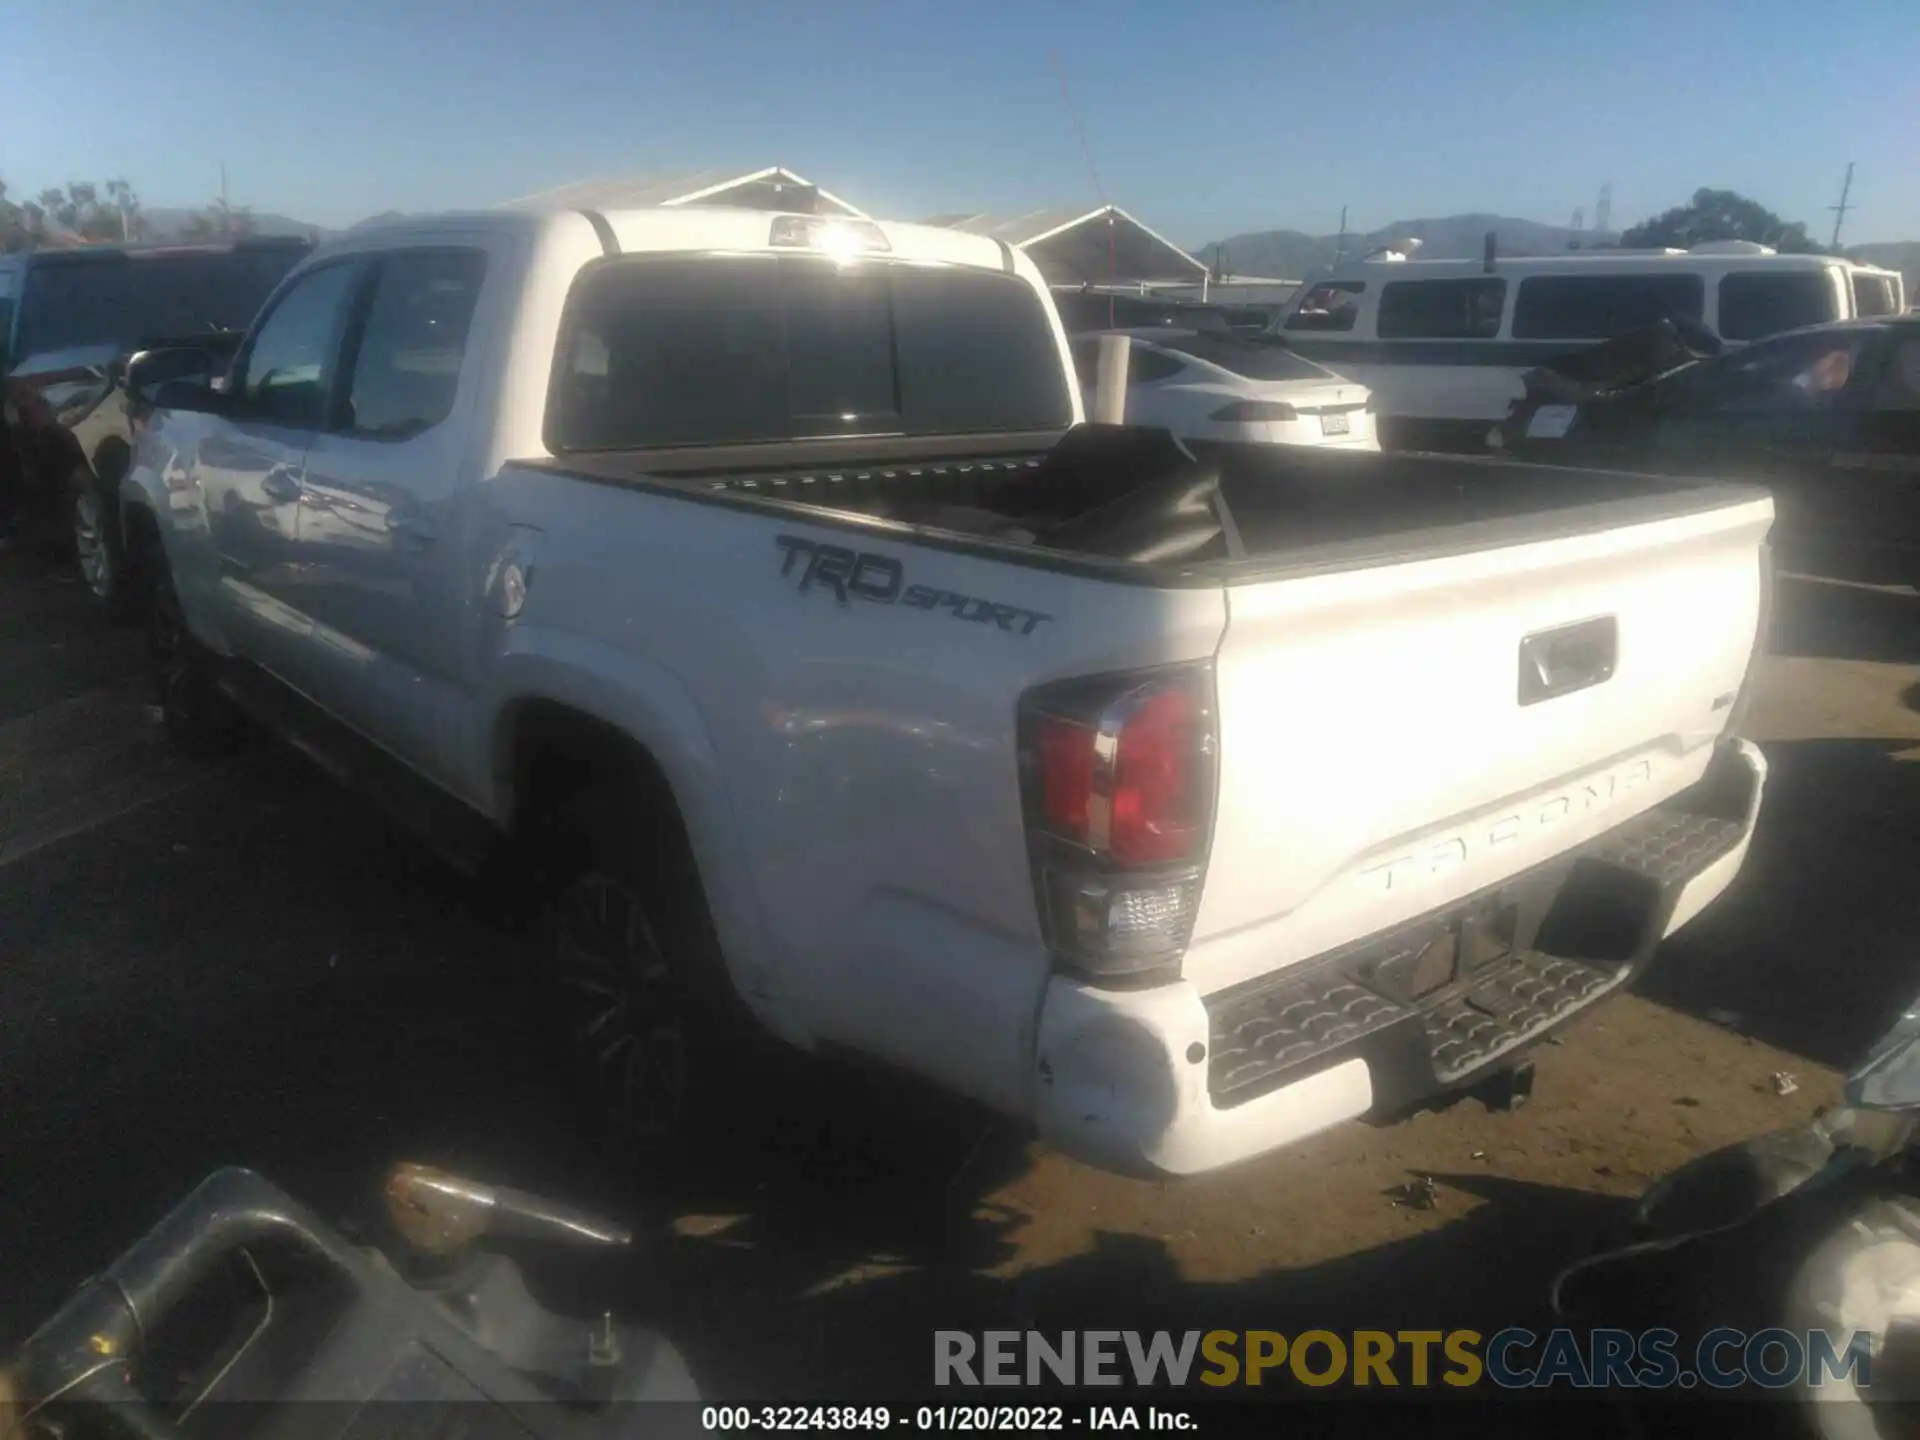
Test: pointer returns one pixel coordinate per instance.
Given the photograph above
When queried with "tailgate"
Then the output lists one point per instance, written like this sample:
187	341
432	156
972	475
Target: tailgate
1397	737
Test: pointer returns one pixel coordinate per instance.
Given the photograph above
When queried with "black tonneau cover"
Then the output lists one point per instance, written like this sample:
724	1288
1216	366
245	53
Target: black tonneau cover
1132	504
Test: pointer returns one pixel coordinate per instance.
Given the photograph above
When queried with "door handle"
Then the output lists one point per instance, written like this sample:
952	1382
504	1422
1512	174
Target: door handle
412	527
280	485
1573	657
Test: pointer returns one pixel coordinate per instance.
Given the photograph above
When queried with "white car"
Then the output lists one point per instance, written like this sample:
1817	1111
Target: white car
1203	385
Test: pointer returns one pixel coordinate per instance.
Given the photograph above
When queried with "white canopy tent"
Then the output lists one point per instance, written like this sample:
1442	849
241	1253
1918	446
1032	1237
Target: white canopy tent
1104	246
774	188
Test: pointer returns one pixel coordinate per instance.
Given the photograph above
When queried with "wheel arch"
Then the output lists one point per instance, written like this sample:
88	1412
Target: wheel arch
547	749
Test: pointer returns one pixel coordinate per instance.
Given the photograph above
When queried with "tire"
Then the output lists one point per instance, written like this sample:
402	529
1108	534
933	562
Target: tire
100	552
661	1049
200	720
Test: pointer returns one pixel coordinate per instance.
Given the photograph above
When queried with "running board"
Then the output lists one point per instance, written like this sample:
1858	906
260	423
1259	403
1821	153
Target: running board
459	836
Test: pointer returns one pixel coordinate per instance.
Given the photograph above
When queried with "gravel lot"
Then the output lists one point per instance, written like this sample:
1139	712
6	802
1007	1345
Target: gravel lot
238	964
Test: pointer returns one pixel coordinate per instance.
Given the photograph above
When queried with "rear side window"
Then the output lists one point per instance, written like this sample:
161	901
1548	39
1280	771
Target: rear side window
1334	305
1250	358
1755	305
1148	366
1786	374
406	369
1873	296
739	349
1603	307
1441	309
1145	364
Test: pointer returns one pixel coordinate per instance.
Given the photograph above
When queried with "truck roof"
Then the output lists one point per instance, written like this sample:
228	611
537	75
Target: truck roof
698	227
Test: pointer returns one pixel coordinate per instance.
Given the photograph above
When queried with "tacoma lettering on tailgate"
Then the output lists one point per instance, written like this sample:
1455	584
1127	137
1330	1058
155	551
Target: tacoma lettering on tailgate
853	575
1514	828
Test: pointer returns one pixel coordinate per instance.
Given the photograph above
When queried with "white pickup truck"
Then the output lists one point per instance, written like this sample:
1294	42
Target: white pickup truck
751	585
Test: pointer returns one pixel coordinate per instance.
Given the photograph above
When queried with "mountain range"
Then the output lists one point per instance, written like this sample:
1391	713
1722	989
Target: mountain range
1293	254
1270	254
165	222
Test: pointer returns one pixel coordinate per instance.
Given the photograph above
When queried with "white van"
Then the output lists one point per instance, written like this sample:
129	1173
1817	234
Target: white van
1442	344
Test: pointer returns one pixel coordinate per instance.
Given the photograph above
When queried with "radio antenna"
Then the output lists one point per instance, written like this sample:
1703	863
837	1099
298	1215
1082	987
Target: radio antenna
1093	170
1840	210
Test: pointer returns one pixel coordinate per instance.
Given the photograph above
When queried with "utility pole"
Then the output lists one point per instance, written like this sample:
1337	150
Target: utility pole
1340	246
226	210
1840	210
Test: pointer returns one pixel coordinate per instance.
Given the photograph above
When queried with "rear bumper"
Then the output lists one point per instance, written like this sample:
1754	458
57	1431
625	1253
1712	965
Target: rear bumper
1170	1082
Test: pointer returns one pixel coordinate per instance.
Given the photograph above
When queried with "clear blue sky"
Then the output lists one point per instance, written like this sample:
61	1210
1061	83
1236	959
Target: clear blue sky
1205	119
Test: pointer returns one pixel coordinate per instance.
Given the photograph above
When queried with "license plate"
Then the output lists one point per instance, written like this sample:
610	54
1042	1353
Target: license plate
1335	425
1550	422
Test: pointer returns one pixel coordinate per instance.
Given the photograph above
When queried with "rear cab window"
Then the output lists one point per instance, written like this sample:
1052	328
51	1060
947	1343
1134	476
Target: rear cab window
1873	296
1754	304
661	352
1464	309
1602	307
1331	305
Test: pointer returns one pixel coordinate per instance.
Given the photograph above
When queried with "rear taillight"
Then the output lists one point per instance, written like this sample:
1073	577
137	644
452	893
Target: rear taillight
1118	774
1243	411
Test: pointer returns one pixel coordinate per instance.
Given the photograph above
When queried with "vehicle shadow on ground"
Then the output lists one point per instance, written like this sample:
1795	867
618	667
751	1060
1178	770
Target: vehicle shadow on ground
873	1333
1817	945
1821	620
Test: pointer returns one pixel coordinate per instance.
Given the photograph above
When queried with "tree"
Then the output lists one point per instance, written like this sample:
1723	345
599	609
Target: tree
220	218
14	231
1721	215
123	209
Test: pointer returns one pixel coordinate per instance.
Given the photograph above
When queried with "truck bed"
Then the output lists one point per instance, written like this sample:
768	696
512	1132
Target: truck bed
1139	509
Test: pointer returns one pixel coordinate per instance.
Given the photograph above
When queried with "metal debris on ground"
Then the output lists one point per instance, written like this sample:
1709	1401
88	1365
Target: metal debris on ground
1419	1193
1478	1155
1784	1083
1729	1018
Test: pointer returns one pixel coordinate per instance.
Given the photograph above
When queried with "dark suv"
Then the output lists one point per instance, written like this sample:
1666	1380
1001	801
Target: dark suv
69	322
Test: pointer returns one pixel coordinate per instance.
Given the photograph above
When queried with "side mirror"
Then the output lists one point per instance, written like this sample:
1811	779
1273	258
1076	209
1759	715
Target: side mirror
187	396
175	379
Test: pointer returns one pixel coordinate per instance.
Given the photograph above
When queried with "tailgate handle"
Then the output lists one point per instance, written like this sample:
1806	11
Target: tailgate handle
1572	657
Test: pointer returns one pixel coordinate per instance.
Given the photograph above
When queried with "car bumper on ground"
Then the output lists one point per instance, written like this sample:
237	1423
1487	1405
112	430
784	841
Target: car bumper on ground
1167	1081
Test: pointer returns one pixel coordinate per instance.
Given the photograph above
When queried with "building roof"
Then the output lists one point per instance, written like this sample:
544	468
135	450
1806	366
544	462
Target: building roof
754	189
1085	247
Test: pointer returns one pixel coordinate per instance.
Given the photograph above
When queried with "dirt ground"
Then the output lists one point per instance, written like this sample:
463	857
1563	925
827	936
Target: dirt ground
237	964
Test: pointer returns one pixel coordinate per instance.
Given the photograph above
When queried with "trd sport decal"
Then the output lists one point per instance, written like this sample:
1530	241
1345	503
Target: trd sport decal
852	575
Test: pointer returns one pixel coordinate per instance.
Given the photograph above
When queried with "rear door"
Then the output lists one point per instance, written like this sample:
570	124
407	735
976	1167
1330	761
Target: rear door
1382	753
379	550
